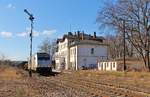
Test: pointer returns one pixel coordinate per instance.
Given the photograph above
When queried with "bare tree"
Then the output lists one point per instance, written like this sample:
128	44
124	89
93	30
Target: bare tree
2	59
116	47
136	14
48	46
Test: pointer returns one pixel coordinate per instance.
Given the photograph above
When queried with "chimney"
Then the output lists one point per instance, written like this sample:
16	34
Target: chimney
75	33
94	35
78	33
69	34
83	35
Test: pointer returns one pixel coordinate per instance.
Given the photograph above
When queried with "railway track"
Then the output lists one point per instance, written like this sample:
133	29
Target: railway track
79	86
127	88
60	87
99	89
74	84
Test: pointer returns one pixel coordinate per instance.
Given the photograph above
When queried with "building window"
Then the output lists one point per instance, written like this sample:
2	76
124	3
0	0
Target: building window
75	51
92	50
114	65
107	64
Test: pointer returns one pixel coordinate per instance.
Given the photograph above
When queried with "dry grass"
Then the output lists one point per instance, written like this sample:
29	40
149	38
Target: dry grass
96	73
9	73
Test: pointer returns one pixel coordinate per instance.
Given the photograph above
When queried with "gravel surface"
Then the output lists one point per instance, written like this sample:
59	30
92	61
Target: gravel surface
74	84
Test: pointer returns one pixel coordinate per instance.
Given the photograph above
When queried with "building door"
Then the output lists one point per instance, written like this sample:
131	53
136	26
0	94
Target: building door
105	66
111	65
101	66
84	63
62	64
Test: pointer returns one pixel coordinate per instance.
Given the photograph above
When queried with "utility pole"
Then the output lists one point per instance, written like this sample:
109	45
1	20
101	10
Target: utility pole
148	47
31	18
124	44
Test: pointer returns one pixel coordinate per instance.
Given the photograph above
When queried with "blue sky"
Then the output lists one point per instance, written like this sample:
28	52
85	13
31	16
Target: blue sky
52	19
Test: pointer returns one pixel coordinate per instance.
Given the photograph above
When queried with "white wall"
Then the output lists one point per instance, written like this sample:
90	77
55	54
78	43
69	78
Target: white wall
107	66
85	50
57	62
86	58
73	57
34	62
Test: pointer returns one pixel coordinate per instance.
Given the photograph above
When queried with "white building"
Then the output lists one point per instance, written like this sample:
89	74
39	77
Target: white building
79	51
62	56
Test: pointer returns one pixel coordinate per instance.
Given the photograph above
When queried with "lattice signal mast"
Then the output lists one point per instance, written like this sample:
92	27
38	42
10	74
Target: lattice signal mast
31	18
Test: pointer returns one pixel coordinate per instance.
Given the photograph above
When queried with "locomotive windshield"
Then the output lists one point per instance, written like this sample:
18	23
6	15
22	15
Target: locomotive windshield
43	56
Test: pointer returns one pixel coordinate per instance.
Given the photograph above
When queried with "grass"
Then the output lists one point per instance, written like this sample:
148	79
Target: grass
134	78
9	73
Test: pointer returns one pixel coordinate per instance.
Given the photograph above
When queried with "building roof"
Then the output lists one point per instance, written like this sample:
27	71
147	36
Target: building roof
87	42
81	36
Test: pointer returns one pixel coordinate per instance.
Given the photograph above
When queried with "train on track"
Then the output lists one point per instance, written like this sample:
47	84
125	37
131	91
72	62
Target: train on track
41	63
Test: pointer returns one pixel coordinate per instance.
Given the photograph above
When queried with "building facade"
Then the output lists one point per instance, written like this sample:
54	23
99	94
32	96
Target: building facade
79	51
62	55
